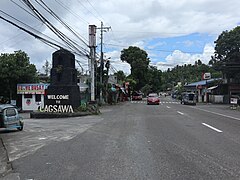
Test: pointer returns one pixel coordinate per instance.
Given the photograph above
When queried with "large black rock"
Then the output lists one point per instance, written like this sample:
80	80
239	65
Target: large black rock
63	88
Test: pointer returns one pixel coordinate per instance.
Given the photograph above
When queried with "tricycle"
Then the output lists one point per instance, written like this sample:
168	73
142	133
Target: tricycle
9	117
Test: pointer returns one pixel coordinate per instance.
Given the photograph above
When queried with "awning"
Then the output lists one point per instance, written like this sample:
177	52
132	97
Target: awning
213	87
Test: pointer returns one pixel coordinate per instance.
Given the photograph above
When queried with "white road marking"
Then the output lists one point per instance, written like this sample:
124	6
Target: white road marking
42	138
168	107
162	102
180	112
217	113
213	128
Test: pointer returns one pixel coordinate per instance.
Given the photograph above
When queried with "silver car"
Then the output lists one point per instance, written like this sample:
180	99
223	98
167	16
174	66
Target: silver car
9	117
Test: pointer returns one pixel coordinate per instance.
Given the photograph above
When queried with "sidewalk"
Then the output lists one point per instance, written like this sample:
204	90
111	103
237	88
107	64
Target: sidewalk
4	165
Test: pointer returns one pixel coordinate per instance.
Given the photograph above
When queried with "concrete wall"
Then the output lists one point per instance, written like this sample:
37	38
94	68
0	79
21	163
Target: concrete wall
30	104
216	98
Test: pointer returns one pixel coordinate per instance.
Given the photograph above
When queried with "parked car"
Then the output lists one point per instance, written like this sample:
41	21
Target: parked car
153	98
188	98
136	96
9	117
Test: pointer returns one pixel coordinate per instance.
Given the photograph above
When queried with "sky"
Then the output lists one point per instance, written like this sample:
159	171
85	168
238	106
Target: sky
171	32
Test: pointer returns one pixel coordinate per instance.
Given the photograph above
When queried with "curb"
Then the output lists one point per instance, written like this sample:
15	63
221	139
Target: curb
5	165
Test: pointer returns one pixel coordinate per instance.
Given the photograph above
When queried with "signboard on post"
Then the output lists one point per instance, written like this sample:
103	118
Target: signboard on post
207	76
233	100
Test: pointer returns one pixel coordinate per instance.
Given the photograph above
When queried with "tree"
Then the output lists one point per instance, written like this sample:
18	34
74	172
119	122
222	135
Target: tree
120	76
186	74
227	47
139	62
227	53
154	78
15	68
147	89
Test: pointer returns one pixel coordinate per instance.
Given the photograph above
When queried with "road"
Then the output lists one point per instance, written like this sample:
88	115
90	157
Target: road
131	141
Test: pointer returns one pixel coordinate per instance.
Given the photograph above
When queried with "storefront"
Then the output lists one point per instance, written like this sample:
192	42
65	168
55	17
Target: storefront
31	96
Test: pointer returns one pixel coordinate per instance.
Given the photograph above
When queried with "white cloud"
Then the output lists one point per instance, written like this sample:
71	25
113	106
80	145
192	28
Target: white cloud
133	22
181	58
117	64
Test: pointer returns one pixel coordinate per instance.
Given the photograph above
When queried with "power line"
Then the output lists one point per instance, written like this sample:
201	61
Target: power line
88	9
31	33
95	9
71	44
61	21
70	11
44	40
24	9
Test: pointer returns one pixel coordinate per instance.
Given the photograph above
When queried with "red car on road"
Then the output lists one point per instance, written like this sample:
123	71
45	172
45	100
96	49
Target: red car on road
153	98
136	96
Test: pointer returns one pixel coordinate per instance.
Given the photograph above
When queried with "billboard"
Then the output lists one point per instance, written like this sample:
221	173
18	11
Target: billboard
31	88
206	75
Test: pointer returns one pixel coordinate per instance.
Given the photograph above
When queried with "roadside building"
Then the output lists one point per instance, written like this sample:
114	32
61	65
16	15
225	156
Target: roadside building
206	90
31	96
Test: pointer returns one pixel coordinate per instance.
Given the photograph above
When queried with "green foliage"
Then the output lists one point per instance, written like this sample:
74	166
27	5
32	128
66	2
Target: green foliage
154	78
89	108
82	107
120	76
146	89
139	62
15	68
227	53
186	74
141	72
132	82
149	79
227	47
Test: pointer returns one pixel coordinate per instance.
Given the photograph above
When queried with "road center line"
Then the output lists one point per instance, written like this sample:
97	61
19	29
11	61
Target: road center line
217	113
213	128
180	112
168	107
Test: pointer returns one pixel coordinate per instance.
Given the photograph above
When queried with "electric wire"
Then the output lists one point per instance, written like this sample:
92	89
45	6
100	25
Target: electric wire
31	33
23	9
63	37
29	27
88	9
62	22
47	23
71	12
95	10
44	40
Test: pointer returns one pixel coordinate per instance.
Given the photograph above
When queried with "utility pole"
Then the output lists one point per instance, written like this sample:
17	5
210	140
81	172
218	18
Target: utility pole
92	45
102	29
107	65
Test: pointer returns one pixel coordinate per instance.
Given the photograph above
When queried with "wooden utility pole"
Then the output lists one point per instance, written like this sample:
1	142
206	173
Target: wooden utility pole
103	29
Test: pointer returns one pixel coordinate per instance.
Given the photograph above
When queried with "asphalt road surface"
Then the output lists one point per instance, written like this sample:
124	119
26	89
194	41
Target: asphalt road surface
132	140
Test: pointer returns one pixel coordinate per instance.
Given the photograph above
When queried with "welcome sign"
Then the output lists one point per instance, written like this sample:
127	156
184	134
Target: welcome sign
63	93
59	103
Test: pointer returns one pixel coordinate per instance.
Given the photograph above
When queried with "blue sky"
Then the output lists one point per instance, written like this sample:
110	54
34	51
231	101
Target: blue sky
172	32
192	44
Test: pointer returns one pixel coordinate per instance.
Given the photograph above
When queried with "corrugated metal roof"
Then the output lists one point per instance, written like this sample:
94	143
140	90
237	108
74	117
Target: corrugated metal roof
213	87
202	83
